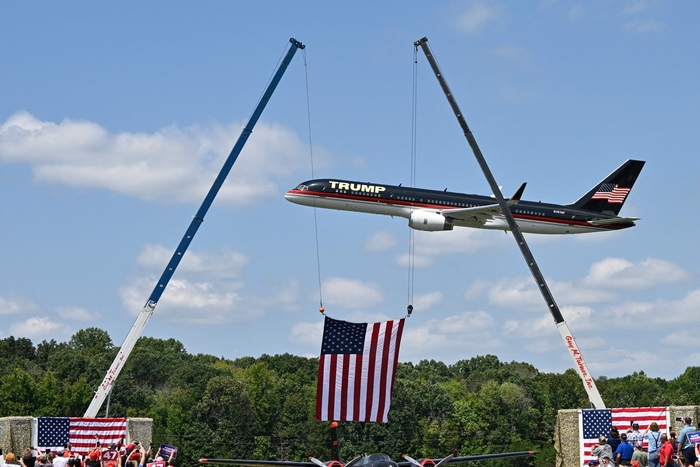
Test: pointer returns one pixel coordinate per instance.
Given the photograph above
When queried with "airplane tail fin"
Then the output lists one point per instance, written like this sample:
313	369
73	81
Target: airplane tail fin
608	196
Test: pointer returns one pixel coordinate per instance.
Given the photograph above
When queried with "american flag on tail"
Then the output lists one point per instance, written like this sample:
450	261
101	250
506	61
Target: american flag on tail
611	192
594	423
53	432
356	370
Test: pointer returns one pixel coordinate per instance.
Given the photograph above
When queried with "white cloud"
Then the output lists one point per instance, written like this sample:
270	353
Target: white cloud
307	333
191	302
475	17
379	242
40	328
13	307
604	283
223	263
521	293
353	294
428	245
170	165
426	301
622	274
467	331
74	313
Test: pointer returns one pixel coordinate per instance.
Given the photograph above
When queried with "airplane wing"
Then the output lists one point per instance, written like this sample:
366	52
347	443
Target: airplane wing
256	463
614	220
456	460
478	215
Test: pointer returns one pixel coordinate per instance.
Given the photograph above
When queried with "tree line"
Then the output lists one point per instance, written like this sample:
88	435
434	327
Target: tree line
264	408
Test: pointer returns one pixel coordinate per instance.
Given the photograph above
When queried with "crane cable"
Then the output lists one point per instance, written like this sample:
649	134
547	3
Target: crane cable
411	233
311	155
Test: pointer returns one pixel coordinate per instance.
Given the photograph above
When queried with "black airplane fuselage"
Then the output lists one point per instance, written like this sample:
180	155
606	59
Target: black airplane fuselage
532	217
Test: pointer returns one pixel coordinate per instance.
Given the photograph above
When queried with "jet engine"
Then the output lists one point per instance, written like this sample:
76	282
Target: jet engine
430	221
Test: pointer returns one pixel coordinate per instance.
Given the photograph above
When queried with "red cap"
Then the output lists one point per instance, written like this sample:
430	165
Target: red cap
94	455
130	447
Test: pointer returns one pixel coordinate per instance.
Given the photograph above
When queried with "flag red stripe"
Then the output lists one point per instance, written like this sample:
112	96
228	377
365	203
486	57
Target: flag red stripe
358	388
331	386
344	388
319	388
370	375
399	333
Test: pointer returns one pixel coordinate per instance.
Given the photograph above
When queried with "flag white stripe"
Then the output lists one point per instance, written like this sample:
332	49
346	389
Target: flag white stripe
351	386
378	370
326	381
338	393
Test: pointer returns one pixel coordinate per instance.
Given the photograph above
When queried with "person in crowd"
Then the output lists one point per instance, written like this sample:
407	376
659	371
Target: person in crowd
44	461
11	459
684	447
614	439
93	458
60	461
602	449
653	437
28	459
111	456
67	450
697	455
591	463
159	458
666	452
607	462
634	436
624	452
640	455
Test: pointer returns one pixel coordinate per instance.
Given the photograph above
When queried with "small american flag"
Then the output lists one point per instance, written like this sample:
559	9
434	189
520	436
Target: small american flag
356	370
594	423
53	432
612	193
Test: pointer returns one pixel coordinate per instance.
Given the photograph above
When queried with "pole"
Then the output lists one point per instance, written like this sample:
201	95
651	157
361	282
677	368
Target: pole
162	283
589	384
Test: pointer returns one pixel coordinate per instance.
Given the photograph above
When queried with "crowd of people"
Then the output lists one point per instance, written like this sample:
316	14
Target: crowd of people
114	455
627	448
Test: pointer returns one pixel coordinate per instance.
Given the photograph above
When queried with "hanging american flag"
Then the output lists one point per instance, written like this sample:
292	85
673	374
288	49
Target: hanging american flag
356	370
53	432
594	423
612	193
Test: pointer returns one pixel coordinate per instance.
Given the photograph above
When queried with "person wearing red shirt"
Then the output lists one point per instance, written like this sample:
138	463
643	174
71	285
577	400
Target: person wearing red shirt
666	452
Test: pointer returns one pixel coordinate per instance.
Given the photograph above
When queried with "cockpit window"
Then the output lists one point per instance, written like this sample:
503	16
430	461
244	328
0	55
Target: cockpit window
302	188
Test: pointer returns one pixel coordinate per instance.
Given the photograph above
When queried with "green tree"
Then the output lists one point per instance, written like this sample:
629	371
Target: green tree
18	394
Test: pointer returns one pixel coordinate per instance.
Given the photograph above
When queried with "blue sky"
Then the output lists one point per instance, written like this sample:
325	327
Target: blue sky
115	119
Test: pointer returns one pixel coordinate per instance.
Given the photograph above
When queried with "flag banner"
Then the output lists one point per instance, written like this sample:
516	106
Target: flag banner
594	423
611	192
356	370
167	450
82	433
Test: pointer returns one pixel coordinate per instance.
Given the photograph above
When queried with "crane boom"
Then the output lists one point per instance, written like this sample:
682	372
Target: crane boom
147	310
589	384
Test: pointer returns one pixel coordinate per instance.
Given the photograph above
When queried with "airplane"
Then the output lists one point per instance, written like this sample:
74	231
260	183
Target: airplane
369	460
431	210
